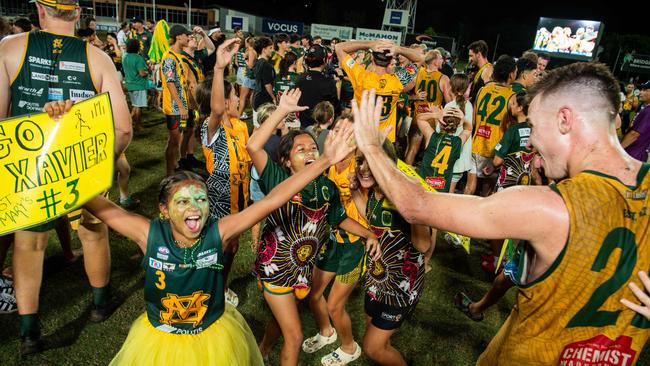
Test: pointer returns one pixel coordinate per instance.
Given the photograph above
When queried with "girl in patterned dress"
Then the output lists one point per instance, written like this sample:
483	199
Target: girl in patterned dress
295	233
393	281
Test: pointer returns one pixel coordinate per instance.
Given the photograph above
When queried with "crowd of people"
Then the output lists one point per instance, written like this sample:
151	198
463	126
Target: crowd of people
318	168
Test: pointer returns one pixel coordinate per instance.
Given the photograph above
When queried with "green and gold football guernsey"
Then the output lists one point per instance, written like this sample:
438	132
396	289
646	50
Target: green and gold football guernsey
54	67
184	288
438	161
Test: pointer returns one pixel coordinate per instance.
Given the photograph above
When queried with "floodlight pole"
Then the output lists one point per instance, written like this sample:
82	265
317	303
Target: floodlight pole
496	44
408	5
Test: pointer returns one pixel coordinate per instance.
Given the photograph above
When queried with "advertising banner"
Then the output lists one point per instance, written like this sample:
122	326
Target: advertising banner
281	26
327	31
364	34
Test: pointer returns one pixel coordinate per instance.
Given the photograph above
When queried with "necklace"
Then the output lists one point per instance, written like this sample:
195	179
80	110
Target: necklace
184	245
372	211
315	198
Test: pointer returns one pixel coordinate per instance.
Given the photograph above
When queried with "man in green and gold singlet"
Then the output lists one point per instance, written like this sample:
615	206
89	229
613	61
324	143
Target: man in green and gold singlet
37	68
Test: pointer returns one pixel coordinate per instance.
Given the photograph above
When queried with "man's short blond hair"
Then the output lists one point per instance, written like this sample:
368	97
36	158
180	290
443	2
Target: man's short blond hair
66	15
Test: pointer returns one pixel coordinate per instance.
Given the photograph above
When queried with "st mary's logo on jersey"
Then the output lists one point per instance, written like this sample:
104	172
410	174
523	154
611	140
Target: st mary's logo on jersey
188	309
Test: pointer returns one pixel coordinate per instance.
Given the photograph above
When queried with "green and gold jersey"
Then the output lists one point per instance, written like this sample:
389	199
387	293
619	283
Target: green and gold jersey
54	67
572	314
396	278
517	157
388	86
184	288
438	161
428	82
490	117
144	39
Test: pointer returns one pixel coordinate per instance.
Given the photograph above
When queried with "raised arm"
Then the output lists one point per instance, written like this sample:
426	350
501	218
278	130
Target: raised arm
218	99
425	126
345	48
131	225
255	146
206	41
337	147
531	210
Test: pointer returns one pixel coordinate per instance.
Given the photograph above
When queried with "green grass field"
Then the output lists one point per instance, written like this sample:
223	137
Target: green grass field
437	334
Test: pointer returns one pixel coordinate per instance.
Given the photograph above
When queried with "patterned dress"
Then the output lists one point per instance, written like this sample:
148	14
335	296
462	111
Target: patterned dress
295	233
396	278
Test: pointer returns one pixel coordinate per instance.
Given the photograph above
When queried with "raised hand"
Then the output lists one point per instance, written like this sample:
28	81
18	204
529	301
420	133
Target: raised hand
339	145
366	122
225	52
289	101
453	112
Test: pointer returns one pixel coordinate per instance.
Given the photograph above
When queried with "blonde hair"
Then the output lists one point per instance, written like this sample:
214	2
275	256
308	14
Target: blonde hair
432	55
66	15
264	112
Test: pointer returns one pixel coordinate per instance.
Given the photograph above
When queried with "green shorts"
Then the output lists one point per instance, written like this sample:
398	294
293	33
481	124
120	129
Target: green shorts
342	258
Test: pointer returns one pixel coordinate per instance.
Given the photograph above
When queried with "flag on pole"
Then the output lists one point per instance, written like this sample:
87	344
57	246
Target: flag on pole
160	42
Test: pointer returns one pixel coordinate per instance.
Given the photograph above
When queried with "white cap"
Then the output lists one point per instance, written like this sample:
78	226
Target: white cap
214	30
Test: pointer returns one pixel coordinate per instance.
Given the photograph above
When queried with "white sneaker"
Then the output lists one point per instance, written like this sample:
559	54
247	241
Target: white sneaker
313	344
340	358
7	303
231	297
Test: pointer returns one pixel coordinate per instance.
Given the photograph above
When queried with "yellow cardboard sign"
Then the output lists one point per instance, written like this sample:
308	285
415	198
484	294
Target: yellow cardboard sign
49	168
409	172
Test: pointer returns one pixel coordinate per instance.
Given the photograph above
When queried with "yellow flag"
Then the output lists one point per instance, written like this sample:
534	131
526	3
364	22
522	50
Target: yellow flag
410	172
160	42
49	168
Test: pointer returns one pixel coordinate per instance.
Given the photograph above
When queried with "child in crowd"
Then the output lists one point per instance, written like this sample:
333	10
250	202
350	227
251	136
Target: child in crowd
323	115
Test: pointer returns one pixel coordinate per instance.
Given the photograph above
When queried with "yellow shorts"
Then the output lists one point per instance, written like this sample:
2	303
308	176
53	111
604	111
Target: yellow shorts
299	293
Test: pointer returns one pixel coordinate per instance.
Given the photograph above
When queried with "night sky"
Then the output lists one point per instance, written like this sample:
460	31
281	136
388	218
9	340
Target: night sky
515	22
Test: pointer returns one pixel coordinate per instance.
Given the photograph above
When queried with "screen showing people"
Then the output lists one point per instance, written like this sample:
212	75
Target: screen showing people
569	38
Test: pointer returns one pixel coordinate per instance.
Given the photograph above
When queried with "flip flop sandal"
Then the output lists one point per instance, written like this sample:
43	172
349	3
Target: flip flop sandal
462	302
313	344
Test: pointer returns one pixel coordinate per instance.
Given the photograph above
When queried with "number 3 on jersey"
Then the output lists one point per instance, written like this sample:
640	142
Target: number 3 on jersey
441	161
161	280
386	107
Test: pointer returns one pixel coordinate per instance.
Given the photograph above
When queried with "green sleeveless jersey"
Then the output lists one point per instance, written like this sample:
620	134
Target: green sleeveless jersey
439	158
184	288
54	67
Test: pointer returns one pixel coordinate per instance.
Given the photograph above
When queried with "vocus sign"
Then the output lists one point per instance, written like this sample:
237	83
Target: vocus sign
281	26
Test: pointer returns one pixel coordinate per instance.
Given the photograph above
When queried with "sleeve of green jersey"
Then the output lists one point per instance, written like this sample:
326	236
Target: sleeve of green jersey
504	146
271	176
336	212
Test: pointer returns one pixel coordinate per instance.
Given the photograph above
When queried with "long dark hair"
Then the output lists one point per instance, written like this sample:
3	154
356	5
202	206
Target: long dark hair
286	62
459	84
283	153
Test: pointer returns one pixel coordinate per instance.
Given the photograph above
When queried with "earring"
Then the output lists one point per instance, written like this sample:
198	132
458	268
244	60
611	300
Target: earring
162	217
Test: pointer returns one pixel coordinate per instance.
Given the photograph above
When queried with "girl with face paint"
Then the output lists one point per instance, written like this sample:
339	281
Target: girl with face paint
184	260
394	281
294	234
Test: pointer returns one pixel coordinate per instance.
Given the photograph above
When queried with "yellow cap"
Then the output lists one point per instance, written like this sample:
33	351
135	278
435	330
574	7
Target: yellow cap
57	5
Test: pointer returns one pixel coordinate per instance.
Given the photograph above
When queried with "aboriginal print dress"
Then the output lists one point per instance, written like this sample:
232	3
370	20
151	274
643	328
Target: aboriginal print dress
295	233
396	278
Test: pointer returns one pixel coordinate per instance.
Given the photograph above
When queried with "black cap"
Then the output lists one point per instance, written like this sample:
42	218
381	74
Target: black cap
645	85
137	20
177	30
317	51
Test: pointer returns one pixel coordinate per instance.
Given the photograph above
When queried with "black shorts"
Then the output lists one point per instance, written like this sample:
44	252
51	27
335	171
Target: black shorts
384	316
173	122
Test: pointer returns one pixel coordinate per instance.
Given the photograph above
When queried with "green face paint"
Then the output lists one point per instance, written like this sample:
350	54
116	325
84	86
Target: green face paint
188	209
300	156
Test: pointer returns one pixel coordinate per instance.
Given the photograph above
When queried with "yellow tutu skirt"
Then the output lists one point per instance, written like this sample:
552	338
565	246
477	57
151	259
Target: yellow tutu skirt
228	341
